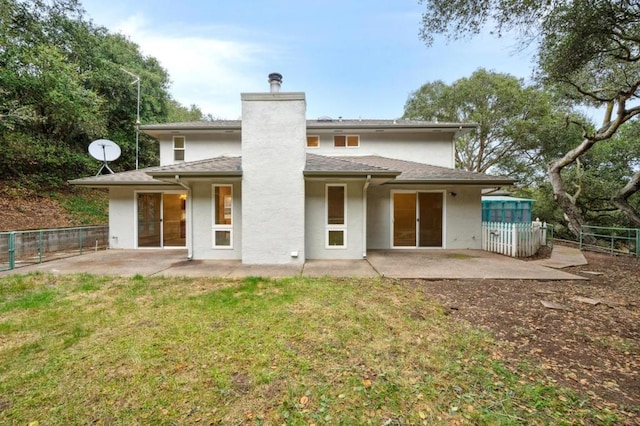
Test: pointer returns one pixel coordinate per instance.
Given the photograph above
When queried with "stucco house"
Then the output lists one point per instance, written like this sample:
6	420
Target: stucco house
278	188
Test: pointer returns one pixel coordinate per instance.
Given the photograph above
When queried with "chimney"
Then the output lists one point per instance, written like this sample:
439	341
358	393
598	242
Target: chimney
275	81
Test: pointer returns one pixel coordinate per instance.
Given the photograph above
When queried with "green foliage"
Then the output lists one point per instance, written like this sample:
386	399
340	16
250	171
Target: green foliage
593	180
519	125
588	51
86	207
178	113
62	85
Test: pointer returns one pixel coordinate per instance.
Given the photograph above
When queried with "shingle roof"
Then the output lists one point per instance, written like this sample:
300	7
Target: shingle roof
398	171
132	177
412	172
319	165
193	125
219	166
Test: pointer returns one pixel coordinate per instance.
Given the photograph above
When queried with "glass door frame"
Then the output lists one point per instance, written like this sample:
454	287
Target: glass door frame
136	223
417	206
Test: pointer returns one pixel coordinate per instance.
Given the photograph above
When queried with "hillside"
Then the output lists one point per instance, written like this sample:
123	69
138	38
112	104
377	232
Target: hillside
25	210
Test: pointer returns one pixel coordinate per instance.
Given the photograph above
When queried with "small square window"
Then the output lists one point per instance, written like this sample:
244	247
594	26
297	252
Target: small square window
339	141
313	141
353	141
223	238
336	238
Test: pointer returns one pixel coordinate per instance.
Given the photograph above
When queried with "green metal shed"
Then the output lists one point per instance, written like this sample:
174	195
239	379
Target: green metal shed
500	208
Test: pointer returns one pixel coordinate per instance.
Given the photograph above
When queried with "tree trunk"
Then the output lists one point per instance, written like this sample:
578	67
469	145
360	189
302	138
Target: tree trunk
571	213
621	199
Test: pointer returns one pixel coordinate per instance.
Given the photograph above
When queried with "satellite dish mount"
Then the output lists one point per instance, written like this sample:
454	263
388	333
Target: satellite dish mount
104	150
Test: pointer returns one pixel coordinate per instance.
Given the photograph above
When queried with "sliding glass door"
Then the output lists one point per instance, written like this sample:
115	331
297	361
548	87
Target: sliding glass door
161	219
417	219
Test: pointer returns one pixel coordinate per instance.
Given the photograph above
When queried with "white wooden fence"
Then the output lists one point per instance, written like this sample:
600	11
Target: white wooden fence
514	239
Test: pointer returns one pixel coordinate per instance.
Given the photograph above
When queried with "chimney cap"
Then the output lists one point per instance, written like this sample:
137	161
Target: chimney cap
275	76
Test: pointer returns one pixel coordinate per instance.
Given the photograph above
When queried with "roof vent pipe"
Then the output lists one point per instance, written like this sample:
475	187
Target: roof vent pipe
275	81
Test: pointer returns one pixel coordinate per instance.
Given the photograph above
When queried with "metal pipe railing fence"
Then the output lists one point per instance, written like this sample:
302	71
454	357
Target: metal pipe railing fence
610	240
21	248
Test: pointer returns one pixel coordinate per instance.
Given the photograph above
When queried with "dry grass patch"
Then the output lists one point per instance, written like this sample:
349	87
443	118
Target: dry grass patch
299	351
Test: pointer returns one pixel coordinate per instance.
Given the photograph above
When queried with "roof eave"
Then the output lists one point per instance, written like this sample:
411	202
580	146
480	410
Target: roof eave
184	128
93	184
320	173
195	174
398	125
501	182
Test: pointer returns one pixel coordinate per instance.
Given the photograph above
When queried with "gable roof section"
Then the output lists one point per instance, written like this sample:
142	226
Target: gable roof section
132	177
411	172
320	165
211	167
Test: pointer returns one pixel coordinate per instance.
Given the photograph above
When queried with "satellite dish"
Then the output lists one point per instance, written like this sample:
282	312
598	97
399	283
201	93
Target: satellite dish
105	151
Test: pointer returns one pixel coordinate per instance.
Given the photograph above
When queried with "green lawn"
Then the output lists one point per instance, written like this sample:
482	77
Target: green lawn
104	350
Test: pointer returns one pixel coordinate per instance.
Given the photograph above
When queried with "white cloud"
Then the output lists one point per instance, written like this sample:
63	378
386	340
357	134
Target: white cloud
205	70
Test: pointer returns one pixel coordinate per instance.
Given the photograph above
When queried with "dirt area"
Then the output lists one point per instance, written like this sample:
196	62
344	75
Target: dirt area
589	337
32	213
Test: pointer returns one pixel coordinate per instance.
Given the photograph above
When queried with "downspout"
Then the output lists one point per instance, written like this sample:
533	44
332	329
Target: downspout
189	218
364	216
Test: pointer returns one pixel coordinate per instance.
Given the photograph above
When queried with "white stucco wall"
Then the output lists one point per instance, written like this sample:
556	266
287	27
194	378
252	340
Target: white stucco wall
462	223
316	221
200	146
434	148
121	218
273	160
464	218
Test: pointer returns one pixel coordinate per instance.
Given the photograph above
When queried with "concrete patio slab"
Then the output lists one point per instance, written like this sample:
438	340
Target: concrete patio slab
563	257
201	268
424	264
110	262
459	264
338	268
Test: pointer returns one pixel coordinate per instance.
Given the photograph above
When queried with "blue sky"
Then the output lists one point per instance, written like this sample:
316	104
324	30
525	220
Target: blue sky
353	59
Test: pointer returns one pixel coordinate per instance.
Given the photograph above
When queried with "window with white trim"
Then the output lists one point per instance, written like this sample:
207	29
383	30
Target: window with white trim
222	216
336	219
346	141
313	141
178	148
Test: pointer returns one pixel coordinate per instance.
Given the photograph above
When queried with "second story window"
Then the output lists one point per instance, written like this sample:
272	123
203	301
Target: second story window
346	141
178	148
313	141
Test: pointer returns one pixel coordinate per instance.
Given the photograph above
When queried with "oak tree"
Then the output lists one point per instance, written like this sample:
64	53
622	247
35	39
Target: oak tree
589	50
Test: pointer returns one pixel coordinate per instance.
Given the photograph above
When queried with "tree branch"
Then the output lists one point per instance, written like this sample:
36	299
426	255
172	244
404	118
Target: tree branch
621	199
